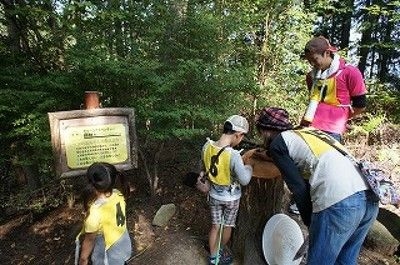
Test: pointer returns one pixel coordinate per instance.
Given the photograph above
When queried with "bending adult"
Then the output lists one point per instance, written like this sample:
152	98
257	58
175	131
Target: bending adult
335	202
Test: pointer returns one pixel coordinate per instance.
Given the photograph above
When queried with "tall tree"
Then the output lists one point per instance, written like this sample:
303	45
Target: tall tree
30	49
335	20
380	41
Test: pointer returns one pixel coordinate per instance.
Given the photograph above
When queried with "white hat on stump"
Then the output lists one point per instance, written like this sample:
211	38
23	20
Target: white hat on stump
281	239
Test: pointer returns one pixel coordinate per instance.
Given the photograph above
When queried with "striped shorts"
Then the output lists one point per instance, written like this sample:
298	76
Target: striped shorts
227	209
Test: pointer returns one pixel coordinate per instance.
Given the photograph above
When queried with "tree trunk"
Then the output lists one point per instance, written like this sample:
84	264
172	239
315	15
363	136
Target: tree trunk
385	52
261	199
147	171
13	30
366	38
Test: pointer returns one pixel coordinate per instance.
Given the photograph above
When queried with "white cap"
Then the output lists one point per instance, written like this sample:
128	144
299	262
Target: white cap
239	123
281	239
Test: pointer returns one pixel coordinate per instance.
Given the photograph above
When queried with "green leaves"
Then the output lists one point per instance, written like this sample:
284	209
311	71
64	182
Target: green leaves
184	66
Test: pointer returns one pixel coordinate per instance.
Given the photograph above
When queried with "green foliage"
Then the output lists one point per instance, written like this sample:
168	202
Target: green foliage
182	76
373	123
281	74
369	124
383	100
184	66
35	202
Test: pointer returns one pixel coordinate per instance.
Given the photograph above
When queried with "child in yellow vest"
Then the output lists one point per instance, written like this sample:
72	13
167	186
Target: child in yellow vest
226	173
105	238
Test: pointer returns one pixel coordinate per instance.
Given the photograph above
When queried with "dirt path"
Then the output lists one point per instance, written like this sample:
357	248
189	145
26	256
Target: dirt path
50	239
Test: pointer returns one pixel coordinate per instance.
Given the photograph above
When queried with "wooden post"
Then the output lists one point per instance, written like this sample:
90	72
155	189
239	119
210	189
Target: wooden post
92	99
261	199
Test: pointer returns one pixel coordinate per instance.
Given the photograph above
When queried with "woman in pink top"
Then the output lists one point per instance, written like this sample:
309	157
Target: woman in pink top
337	89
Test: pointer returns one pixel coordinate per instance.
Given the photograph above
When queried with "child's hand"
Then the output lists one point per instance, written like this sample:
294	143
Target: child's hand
261	154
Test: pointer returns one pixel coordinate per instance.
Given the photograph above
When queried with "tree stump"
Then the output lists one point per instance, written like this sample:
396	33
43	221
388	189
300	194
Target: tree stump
261	199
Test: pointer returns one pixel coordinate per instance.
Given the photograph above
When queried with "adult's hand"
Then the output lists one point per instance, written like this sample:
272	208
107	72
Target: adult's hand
305	123
261	154
262	164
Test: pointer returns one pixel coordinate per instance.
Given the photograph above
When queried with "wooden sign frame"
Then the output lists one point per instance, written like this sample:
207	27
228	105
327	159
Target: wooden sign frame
81	137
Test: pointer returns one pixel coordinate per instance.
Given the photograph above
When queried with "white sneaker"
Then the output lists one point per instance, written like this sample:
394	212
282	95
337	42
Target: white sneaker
293	209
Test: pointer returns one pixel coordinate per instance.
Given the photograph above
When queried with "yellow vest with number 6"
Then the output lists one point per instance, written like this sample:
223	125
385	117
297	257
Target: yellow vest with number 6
221	174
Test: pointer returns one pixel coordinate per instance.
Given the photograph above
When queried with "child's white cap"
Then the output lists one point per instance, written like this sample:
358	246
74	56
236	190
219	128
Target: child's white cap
239	123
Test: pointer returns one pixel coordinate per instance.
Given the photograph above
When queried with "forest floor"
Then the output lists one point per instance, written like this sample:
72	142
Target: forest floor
49	238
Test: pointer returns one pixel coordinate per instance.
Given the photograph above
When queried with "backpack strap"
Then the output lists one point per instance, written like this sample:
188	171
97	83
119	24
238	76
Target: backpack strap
327	139
214	161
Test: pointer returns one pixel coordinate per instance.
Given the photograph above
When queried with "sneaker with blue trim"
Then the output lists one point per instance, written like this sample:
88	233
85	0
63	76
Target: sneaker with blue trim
225	257
212	260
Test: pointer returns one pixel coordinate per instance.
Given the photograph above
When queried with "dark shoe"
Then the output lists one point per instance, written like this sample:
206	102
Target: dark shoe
212	260
225	256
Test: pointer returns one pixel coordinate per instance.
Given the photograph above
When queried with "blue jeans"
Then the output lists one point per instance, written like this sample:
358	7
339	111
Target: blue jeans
336	136
338	232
